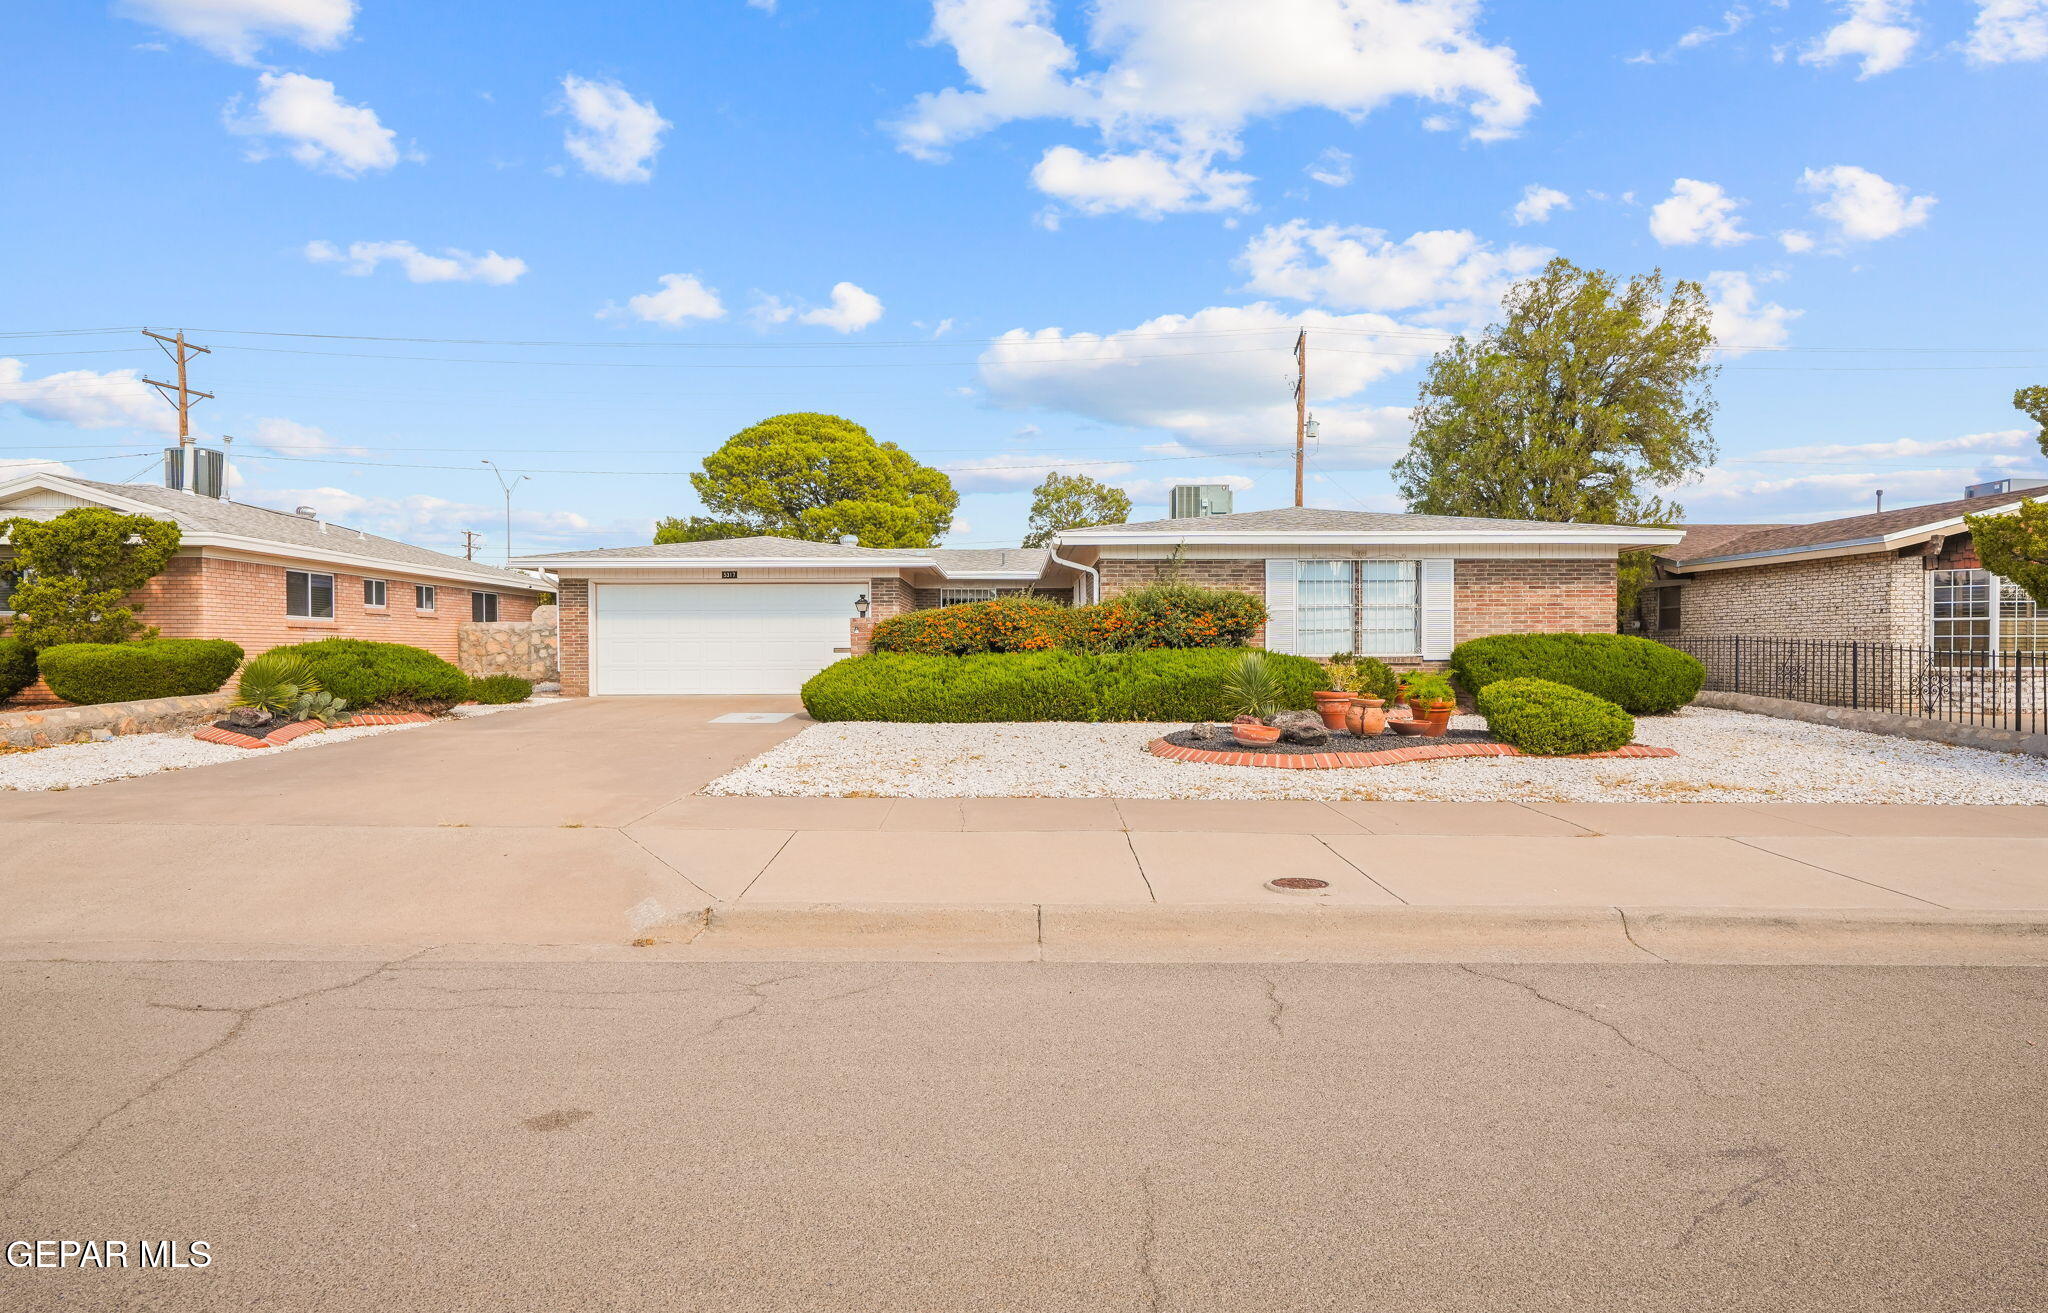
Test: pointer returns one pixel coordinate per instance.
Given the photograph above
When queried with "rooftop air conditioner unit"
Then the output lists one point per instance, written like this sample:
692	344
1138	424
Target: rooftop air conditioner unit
209	471
1189	500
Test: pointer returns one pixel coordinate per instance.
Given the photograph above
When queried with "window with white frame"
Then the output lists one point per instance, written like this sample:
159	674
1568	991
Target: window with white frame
8	579
956	596
308	596
1368	607
423	597
1976	613
483	607
374	592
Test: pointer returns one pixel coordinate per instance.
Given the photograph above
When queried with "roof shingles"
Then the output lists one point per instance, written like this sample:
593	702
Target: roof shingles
1776	539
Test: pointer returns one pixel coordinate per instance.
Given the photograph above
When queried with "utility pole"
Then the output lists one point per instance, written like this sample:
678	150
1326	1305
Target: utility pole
470	539
508	486
1300	415
180	351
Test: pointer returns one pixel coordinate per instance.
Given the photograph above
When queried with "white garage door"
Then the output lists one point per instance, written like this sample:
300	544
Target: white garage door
716	638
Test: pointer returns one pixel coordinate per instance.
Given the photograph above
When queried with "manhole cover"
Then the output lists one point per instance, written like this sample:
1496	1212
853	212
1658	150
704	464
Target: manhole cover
1297	884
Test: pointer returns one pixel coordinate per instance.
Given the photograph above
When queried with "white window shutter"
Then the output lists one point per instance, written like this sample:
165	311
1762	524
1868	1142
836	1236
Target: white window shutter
1439	604
1281	576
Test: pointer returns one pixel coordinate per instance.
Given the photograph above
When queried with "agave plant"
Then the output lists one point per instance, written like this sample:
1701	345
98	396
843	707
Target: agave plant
1251	687
274	683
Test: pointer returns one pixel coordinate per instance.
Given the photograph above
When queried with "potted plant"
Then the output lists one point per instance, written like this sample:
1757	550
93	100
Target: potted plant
1431	699
1251	690
1364	712
1333	704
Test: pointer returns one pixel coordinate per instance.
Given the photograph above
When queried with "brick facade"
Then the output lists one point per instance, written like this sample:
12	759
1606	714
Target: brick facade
200	596
1534	597
1878	597
890	596
1246	575
573	603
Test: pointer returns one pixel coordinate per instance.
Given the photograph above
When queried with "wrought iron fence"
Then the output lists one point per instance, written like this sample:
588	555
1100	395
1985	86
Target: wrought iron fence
2002	690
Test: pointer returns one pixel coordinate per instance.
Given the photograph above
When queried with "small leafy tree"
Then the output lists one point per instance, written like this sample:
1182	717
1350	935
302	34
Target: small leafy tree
1073	501
77	571
818	477
697	529
2015	546
2034	401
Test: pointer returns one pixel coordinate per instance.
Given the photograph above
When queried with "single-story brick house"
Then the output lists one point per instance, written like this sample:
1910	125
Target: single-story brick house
761	615
264	578
1907	576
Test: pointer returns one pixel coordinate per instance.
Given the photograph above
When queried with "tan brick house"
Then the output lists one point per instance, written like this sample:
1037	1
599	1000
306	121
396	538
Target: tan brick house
1907	576
264	578
761	615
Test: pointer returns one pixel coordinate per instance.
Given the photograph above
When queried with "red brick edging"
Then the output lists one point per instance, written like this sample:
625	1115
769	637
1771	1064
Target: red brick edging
1393	756
284	734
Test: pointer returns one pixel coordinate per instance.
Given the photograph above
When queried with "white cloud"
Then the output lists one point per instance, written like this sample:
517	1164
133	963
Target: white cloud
852	309
1742	320
291	438
429	520
322	130
765	6
1877	32
616	137
1733	20
1863	207
1180	79
2009	32
86	399
682	298
1729	492
451	266
12	468
238	29
1142	182
1538	203
1453	275
1796	241
1153	491
1013	471
1697	212
1332	168
1906	448
1213	379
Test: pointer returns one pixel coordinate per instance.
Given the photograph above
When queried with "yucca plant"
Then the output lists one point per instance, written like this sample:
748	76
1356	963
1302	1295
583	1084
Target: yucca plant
274	683
1251	687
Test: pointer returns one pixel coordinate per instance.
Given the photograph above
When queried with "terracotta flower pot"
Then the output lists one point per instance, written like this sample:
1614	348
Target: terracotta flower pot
1331	704
1367	717
1256	736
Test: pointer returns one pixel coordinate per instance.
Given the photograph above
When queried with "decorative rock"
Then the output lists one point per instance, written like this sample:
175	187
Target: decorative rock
247	717
1304	727
1204	730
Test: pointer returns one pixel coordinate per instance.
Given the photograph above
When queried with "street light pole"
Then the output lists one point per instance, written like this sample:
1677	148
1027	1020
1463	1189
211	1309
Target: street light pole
507	485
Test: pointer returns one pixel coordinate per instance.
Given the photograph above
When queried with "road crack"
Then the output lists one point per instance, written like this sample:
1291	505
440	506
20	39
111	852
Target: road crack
1602	1022
1277	1008
1741	1195
242	1019
1148	1242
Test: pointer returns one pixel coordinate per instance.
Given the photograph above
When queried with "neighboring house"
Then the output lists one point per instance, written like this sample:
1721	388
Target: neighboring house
263	578
1908	576
761	615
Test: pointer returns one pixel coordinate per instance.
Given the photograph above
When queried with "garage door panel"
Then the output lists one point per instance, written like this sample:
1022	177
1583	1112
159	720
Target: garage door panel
716	638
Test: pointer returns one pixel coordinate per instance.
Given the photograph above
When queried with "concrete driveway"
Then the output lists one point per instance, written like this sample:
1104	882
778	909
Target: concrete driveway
582	823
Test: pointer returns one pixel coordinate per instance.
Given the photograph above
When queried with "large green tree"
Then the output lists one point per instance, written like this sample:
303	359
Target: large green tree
1584	403
2015	546
1072	501
2034	401
77	570
816	477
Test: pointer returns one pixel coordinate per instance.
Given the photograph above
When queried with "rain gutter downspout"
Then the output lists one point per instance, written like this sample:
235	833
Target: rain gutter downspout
1094	579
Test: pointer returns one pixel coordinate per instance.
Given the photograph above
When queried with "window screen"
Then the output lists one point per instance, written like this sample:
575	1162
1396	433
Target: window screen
307	595
422	597
373	592
1388	602
483	607
1325	607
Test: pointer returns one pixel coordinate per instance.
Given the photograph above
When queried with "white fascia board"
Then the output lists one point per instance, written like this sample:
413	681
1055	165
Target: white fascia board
574	564
1600	535
373	566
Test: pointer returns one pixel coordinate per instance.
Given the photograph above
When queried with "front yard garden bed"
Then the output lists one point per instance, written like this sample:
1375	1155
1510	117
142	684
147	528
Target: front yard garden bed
1349	751
1724	756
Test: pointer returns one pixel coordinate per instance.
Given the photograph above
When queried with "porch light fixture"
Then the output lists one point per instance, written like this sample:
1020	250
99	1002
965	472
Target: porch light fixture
860	606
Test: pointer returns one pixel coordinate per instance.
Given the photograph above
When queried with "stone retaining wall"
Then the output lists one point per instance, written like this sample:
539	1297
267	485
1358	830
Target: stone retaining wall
1881	722
48	727
527	649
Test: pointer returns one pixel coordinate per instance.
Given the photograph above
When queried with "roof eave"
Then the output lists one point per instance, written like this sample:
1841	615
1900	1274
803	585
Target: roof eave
1602	535
1840	547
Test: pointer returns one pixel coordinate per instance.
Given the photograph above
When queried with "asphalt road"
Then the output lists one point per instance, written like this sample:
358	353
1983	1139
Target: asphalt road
734	1137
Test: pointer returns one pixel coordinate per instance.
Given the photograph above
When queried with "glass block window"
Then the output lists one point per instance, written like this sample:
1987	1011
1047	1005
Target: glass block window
1326	607
1389	601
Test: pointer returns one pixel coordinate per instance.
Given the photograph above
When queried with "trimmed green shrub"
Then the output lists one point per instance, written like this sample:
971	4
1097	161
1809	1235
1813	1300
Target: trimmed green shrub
89	674
1364	675
1640	676
383	676
1551	720
17	667
1007	624
1158	685
493	690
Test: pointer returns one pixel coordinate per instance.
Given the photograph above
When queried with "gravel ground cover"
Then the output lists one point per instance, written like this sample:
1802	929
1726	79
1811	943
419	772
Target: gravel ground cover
1724	756
78	765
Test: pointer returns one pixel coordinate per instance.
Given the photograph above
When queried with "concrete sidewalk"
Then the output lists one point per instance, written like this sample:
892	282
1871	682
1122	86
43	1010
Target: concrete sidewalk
579	828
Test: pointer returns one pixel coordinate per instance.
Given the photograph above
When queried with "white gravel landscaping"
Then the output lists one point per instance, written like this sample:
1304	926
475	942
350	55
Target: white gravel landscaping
77	765
1724	756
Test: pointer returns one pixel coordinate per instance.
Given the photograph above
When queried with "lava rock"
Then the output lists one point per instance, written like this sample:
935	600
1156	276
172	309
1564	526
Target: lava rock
1302	727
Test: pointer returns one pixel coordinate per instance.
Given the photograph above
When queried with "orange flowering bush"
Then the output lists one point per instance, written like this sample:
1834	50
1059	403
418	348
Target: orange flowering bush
1008	624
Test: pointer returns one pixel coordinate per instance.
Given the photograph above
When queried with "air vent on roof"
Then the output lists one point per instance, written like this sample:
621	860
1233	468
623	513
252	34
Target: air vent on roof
848	540
307	513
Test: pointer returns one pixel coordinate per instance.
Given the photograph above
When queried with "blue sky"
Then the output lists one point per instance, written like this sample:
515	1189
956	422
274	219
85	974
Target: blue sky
1009	235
